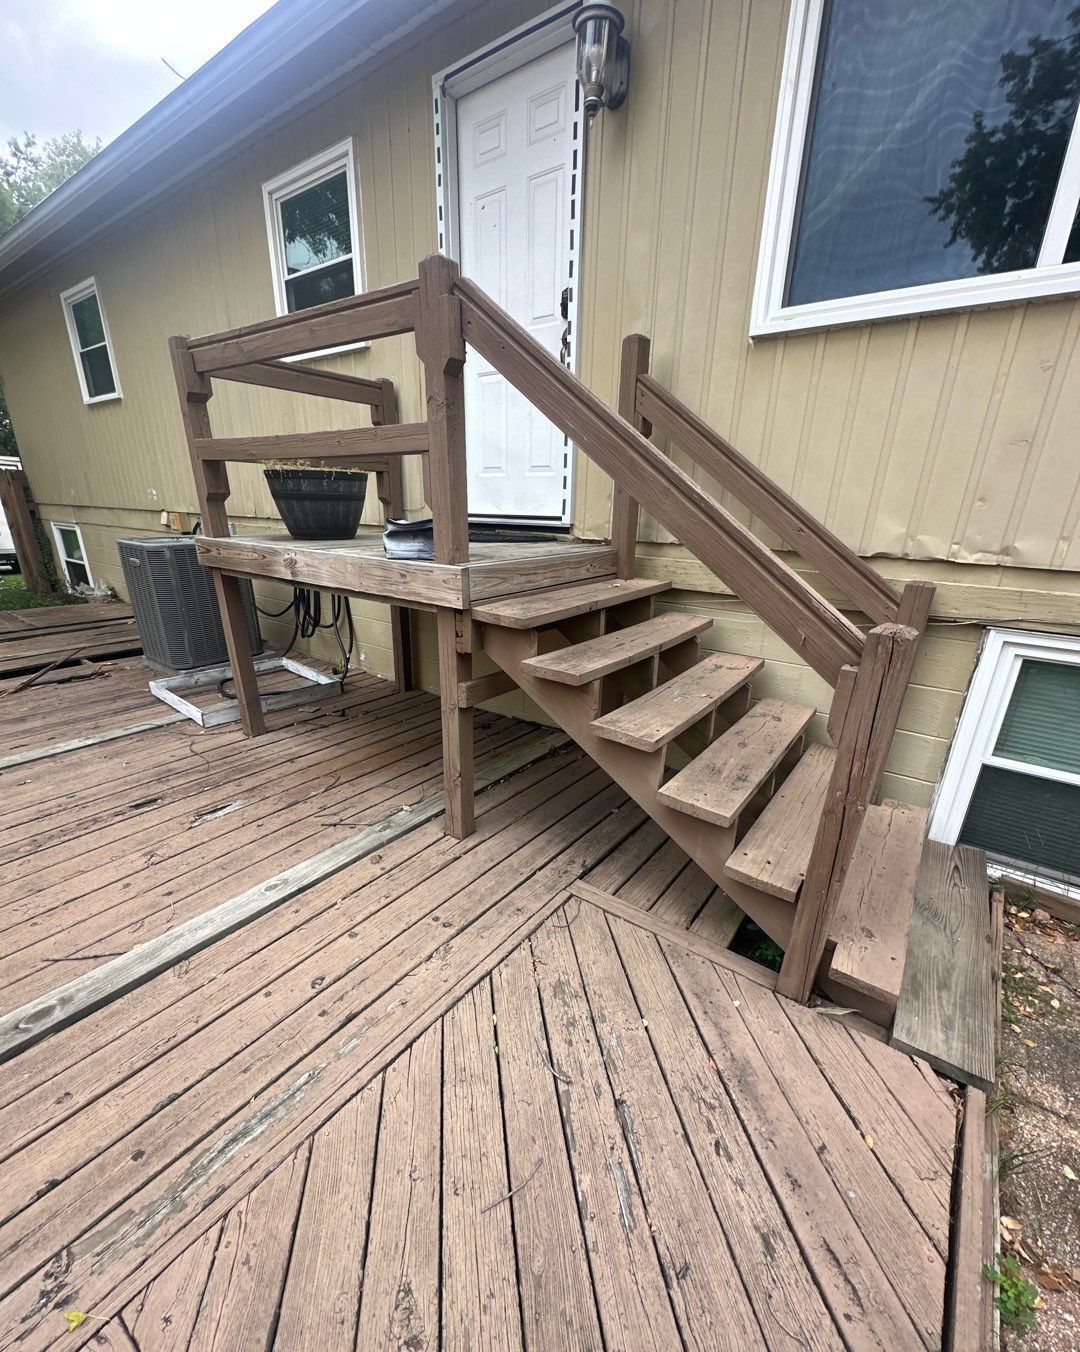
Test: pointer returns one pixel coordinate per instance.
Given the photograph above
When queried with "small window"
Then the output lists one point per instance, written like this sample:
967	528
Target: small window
90	342
926	157
72	556
314	231
1012	782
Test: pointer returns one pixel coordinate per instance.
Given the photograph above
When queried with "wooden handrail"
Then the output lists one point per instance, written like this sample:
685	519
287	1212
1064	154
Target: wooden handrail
301	379
797	527
803	619
347	443
357	319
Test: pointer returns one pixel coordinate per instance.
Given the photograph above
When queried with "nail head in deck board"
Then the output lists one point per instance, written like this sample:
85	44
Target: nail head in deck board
946	1008
40	1017
873	913
557	1302
841	1257
400	1274
322	1289
774	853
656	718
788	1304
707	1293
718	784
479	1270
635	1311
584	662
162	1318
239	1305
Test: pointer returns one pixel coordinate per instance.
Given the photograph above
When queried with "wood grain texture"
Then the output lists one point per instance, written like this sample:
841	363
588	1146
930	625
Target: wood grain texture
164	1315
968	1317
589	661
633	362
775	852
346	443
658	717
719	783
536	610
946	1010
874	909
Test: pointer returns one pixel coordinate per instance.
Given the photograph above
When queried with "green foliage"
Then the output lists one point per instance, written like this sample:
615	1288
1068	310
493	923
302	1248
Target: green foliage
16	595
1016	1296
8	444
998	195
31	169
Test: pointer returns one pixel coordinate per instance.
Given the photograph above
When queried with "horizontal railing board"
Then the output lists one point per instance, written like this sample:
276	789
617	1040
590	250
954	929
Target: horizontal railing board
301	379
797	527
343	443
812	627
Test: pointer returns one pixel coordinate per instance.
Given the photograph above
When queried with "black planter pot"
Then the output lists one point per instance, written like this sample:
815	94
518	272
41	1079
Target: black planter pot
318	504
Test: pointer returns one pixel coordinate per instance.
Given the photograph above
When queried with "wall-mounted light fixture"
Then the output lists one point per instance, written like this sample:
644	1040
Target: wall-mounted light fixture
603	57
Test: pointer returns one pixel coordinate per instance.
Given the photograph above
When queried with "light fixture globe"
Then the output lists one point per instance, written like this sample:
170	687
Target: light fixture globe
603	57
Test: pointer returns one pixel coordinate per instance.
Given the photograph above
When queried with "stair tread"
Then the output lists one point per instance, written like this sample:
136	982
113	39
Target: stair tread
532	610
947	1009
581	663
719	783
654	719
873	911
774	853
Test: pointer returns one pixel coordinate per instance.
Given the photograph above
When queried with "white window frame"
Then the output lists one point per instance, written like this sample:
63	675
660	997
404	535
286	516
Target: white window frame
62	555
980	723
68	299
325	164
769	314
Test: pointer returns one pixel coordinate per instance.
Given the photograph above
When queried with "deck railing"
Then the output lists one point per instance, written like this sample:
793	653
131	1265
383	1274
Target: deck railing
869	673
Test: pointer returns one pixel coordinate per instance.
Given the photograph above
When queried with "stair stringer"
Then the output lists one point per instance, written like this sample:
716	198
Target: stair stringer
639	774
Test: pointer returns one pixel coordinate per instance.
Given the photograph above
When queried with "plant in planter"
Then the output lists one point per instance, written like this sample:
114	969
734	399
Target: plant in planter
317	503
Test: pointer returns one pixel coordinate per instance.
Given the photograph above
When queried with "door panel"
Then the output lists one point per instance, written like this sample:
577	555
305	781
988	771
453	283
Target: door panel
515	148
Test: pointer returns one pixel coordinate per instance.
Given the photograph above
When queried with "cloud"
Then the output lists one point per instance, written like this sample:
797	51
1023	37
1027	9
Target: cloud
97	64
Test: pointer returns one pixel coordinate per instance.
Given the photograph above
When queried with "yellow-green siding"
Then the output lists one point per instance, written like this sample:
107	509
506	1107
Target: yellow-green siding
942	446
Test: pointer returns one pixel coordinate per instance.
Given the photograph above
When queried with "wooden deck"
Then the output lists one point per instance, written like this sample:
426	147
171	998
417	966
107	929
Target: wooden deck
502	1092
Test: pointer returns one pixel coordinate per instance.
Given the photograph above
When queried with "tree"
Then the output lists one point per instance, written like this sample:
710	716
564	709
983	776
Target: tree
998	195
30	170
8	445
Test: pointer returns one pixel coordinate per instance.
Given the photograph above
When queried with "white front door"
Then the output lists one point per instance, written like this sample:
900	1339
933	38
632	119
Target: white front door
515	164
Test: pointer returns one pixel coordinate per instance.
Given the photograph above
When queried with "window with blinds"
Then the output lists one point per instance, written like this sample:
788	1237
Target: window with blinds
313	227
1025	806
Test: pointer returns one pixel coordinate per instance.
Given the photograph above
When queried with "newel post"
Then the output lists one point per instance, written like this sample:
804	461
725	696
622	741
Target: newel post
624	508
869	722
212	487
440	343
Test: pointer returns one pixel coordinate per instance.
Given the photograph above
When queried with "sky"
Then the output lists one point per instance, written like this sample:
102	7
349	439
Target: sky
96	65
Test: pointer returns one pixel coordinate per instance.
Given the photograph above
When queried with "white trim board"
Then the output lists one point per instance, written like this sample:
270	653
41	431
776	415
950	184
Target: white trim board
770	315
980	722
61	552
517	48
68	299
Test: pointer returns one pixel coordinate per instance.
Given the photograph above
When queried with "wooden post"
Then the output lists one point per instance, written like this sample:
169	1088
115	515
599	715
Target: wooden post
441	347
455	669
15	499
865	738
914	607
440	343
392	496
212	486
624	508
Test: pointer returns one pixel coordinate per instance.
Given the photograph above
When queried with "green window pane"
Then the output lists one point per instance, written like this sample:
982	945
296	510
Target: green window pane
87	316
1042	722
315	288
1034	821
315	224
70	539
98	372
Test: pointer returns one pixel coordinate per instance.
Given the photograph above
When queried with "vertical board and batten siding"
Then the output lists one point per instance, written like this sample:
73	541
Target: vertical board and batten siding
947	440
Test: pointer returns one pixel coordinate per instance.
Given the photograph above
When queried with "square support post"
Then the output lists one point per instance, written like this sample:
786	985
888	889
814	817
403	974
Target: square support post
212	486
624	508
440	343
391	491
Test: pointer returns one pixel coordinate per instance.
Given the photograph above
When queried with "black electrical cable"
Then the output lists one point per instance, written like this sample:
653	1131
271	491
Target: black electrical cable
306	607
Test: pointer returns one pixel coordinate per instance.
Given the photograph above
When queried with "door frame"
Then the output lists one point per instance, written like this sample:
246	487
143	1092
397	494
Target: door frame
508	53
